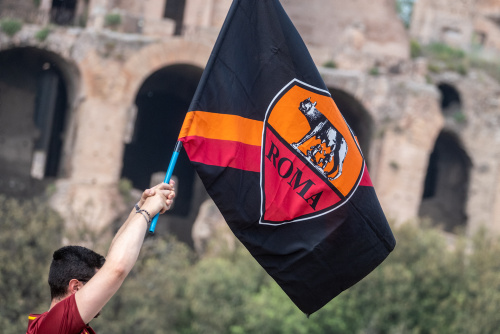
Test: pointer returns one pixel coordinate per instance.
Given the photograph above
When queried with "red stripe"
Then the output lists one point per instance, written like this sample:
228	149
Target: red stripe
223	153
365	180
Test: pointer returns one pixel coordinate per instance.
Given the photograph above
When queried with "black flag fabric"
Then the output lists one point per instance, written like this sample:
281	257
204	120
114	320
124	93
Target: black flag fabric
280	162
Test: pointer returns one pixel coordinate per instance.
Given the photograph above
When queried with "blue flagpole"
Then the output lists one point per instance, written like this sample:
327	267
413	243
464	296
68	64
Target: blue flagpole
170	170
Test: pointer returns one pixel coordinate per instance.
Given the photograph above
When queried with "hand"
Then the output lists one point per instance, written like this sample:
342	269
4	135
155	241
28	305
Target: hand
151	192
158	199
147	193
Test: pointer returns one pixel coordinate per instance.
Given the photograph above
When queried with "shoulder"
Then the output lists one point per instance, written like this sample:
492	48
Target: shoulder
62	318
34	320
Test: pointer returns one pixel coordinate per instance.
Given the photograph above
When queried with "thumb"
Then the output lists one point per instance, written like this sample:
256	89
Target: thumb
147	193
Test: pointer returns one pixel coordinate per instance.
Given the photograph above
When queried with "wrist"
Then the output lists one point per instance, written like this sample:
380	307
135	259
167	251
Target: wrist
144	212
151	208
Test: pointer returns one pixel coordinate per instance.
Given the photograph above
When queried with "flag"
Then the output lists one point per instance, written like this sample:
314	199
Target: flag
279	160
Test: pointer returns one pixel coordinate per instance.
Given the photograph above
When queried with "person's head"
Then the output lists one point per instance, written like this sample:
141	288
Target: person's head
72	263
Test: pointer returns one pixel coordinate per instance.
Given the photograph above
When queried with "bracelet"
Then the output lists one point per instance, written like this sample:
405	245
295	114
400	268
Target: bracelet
143	212
147	221
149	216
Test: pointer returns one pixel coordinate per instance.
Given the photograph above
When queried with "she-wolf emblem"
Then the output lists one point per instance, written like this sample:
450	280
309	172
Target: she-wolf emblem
322	129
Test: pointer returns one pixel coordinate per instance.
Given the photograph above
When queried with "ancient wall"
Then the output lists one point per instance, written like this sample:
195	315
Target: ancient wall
407	120
109	70
105	113
356	34
397	110
14	8
206	13
477	130
464	24
133	7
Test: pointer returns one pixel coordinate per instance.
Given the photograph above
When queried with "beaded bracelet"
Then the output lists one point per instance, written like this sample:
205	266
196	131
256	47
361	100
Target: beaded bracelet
142	211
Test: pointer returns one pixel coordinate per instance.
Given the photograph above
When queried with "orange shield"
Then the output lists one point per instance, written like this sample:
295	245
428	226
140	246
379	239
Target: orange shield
311	161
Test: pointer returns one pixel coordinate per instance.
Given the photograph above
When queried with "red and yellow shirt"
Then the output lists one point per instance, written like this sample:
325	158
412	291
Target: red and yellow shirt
63	318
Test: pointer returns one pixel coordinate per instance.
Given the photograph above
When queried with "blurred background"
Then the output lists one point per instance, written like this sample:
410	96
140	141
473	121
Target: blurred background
92	97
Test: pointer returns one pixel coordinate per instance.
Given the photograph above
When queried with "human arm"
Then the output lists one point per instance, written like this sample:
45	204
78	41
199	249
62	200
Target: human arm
145	195
122	255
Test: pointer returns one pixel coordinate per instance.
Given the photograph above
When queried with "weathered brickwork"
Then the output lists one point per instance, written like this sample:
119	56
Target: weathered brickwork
108	76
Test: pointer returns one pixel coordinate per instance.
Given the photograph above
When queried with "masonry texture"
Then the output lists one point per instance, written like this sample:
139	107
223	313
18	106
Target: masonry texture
94	92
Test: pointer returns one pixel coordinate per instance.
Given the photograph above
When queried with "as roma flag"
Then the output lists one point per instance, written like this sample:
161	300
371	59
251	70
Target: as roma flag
280	162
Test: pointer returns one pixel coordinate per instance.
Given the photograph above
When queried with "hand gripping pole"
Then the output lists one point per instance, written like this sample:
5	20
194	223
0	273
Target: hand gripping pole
170	170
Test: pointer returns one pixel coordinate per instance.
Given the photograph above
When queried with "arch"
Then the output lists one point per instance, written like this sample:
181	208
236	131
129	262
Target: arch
451	104
157	56
141	66
446	183
36	90
356	116
162	103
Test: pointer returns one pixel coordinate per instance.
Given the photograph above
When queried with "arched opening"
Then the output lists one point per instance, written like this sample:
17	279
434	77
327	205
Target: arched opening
63	12
162	103
446	183
174	9
451	105
356	116
33	112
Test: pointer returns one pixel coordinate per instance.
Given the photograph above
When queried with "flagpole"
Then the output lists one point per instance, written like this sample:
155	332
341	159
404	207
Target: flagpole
170	170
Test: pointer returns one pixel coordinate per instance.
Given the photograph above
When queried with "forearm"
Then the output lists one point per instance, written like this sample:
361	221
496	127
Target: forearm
127	243
120	230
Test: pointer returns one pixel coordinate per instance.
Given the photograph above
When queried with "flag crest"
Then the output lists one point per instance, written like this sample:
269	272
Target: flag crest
311	162
279	160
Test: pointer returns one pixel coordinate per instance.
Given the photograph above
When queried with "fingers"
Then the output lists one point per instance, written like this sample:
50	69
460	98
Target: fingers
162	194
165	186
169	199
167	189
160	202
147	193
151	192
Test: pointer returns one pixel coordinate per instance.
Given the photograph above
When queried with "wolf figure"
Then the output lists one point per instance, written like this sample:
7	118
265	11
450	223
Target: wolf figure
322	129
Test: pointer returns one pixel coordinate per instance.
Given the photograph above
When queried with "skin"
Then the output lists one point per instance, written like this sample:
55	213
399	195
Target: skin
122	255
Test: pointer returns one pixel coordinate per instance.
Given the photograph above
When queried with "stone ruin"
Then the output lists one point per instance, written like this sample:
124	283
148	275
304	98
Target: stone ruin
94	91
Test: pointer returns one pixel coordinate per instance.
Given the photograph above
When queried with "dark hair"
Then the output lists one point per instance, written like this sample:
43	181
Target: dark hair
72	262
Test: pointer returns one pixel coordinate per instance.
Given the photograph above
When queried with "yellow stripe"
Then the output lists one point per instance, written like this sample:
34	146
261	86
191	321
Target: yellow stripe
31	318
223	127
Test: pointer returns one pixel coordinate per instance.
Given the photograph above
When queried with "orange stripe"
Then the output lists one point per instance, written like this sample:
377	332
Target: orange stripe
222	127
